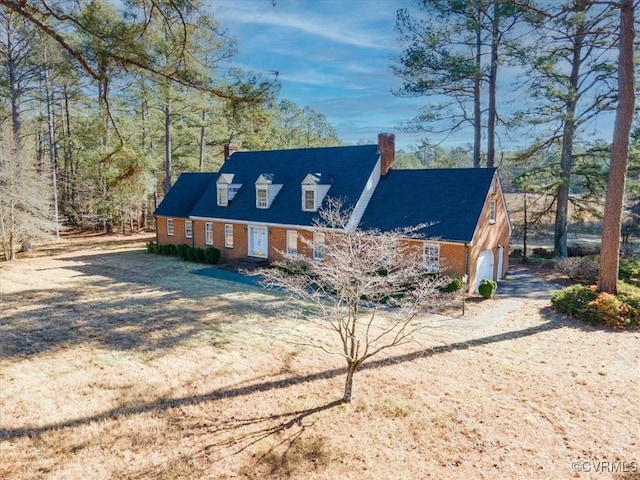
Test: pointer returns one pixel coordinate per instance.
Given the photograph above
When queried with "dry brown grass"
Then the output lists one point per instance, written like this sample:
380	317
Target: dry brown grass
120	364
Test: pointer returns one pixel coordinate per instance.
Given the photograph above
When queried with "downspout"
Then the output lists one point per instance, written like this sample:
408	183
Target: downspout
466	264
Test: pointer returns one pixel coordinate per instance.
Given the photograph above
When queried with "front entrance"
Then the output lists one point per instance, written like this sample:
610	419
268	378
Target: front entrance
258	242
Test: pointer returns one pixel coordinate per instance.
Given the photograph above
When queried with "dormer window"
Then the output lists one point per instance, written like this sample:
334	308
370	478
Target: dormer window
309	199
267	188
261	197
314	188
226	188
223	195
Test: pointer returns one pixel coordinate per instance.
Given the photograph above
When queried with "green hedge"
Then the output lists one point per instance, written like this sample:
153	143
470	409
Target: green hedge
186	252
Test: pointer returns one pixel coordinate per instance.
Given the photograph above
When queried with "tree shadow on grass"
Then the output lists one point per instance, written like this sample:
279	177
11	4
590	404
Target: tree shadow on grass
221	437
277	384
123	301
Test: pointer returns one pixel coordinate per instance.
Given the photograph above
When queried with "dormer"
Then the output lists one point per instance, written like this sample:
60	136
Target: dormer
267	187
226	188
315	187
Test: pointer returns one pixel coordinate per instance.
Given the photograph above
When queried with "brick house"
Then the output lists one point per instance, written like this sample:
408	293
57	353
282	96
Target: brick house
263	203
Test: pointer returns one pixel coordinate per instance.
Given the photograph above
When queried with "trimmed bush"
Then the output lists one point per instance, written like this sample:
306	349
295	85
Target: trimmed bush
191	254
173	250
211	255
487	288
598	308
152	247
182	251
199	255
453	286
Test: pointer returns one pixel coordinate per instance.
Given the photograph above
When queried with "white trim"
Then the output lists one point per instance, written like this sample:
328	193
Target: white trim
318	253
226	236
208	229
188	229
309	189
290	233
429	262
222	199
170	229
259	232
265	189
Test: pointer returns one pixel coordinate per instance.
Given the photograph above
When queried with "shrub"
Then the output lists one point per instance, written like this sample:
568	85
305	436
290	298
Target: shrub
191	254
630	271
541	252
173	250
152	247
453	286
181	251
599	308
580	251
516	253
487	288
297	268
211	255
199	255
573	300
165	249
584	269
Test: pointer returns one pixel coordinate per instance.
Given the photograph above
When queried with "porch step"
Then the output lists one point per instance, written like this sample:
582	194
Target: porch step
246	263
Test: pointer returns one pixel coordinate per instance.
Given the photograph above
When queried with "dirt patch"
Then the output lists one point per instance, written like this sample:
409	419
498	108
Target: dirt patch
120	364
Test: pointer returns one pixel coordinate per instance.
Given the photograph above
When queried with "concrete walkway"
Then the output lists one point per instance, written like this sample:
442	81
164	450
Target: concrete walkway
520	287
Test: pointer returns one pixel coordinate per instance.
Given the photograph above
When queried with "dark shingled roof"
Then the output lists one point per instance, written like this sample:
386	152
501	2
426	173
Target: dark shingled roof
184	194
348	168
451	197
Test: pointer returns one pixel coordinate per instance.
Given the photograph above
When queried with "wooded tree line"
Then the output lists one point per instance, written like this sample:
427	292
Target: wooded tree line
570	63
104	103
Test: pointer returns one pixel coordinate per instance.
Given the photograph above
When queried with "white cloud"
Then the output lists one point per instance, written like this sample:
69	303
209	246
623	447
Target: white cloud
335	26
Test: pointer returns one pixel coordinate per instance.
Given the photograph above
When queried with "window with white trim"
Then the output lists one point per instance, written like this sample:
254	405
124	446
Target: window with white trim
208	233
318	246
431	257
223	195
188	229
261	197
228	235
292	243
309	199
492	211
390	256
170	227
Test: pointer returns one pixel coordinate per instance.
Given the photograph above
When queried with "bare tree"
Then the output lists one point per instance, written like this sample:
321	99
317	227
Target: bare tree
370	289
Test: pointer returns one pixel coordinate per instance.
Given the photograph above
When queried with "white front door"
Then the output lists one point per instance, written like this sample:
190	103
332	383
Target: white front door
258	242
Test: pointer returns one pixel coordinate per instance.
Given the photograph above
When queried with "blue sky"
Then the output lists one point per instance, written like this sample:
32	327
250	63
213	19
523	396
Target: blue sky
331	55
335	56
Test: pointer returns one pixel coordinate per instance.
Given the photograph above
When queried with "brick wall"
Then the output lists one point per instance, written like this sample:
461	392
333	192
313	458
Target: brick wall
178	236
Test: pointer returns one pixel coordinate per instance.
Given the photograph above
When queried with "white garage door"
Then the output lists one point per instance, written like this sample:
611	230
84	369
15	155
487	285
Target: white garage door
484	267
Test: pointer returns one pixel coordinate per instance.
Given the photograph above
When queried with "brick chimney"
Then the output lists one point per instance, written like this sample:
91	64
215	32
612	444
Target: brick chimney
229	149
387	149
